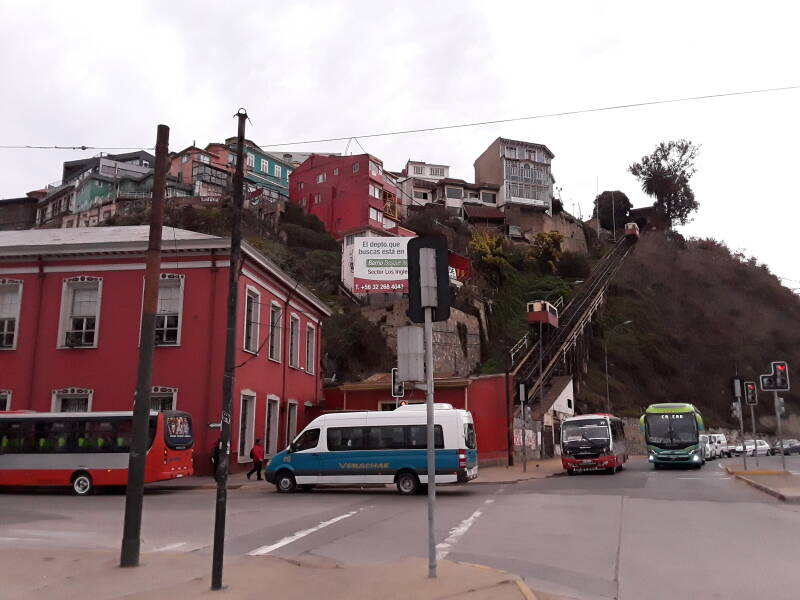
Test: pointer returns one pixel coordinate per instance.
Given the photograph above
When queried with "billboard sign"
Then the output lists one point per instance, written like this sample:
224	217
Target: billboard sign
380	265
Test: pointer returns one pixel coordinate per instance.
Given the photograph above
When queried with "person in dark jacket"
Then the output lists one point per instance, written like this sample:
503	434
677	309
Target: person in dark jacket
257	454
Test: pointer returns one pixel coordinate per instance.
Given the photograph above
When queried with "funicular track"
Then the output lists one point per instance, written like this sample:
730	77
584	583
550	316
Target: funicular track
573	319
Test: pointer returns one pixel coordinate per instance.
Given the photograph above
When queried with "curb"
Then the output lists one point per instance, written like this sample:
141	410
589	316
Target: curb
793	499
526	592
737	472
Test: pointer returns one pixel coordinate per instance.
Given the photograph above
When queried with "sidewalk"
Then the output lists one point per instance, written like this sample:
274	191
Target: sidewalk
66	575
784	486
537	469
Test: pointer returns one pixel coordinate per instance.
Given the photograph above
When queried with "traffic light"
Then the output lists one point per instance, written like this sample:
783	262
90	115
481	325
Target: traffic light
736	410
398	387
779	406
750	392
778	379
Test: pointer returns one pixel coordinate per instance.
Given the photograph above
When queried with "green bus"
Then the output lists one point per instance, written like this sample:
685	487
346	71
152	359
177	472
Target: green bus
671	432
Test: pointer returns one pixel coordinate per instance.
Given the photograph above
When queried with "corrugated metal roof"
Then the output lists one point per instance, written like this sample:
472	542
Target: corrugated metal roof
476	211
92	235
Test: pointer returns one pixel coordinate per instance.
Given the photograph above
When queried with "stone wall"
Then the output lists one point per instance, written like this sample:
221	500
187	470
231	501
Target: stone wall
532	220
456	342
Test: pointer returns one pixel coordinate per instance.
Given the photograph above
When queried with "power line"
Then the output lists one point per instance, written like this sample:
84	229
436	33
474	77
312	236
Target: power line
540	116
32	147
443	127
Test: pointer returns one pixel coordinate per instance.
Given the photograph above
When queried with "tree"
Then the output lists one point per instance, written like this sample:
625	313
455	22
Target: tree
621	206
546	249
665	175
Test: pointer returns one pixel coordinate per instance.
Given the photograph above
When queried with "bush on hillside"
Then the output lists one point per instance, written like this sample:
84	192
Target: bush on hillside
302	237
354	346
573	265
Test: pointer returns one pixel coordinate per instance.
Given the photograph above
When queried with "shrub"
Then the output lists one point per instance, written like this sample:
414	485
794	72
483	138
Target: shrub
573	265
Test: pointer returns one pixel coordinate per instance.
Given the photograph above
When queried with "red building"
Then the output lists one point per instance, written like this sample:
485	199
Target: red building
349	194
485	397
70	313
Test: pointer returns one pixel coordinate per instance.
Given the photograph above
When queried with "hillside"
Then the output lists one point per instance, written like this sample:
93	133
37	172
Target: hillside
699	312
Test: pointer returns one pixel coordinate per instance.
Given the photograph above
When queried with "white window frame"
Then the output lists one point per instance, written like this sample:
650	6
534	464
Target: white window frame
317	198
161	391
322	177
18	284
277	171
356	167
7	394
294	347
68	285
251	292
336	171
70	392
250	161
204	158
419	170
177	280
270	436
437	171
312	359
375	214
265	166
249	431
184	159
300	185
279	333
290	435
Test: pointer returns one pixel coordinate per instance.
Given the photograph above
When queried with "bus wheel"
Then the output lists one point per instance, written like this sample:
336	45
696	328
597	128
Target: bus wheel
285	482
407	483
82	484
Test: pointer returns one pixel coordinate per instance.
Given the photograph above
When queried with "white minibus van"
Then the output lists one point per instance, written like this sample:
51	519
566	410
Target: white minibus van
355	448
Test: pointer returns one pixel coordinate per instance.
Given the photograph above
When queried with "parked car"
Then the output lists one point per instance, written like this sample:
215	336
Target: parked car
720	444
762	448
789	446
707	446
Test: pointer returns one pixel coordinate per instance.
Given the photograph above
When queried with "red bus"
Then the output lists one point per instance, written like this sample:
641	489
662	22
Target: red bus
593	443
84	450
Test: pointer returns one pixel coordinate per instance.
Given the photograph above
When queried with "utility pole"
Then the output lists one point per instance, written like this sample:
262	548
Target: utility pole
541	387
605	355
430	433
613	216
524	428
230	358
134	494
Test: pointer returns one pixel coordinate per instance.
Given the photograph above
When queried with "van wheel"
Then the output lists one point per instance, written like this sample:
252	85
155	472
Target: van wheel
285	482
82	484
407	483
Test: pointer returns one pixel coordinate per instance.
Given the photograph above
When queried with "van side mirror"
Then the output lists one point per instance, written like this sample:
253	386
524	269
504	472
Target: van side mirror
292	447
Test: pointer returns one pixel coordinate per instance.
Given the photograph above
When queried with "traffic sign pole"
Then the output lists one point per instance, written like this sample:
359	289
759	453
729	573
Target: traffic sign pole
755	443
431	441
524	428
780	431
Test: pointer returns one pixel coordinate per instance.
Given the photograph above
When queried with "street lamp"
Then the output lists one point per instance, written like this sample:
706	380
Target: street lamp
605	355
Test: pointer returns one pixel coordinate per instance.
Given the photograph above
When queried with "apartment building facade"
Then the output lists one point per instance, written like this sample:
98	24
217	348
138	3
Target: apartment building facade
70	313
522	170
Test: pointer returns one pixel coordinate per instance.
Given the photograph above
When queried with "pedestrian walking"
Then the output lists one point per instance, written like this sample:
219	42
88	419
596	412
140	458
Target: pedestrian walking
257	454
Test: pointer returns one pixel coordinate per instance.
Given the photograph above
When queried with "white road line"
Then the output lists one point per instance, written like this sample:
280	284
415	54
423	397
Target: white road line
19	539
169	547
301	534
457	532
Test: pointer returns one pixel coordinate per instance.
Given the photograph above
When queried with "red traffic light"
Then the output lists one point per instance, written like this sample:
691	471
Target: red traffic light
780	367
751	386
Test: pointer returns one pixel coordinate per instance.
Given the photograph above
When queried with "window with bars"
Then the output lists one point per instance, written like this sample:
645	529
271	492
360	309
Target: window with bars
455	193
275	314
9	315
252	304
437	171
72	403
168	315
162	401
83	304
294	342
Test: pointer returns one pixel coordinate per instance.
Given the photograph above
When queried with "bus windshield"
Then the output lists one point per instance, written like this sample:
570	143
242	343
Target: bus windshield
671	430
178	430
593	431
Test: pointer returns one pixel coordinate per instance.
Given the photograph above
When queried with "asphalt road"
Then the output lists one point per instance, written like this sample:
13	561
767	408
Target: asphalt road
637	534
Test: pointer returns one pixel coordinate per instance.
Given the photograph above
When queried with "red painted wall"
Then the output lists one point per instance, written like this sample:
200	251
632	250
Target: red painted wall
484	397
37	367
345	198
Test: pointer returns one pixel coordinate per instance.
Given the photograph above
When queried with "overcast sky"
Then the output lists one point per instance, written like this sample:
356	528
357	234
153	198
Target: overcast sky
105	74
